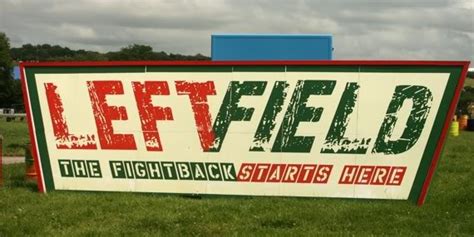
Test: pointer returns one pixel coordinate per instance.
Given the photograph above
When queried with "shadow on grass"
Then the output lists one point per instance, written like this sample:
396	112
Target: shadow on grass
15	149
14	177
280	223
16	146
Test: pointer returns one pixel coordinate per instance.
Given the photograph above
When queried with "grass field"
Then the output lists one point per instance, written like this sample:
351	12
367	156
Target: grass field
15	135
449	209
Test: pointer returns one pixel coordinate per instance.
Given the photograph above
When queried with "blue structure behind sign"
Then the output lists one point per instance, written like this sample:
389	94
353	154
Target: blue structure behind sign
250	47
16	73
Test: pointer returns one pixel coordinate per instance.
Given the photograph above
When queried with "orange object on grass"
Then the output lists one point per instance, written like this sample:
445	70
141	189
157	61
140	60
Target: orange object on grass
30	168
463	122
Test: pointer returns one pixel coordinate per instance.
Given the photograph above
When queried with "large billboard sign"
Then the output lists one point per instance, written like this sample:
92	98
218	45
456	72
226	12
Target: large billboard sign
348	129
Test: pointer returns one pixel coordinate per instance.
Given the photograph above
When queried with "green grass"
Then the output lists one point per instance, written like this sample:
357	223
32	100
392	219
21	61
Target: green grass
15	134
449	209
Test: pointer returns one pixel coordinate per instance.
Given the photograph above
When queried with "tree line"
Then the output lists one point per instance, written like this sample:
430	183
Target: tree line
47	52
10	89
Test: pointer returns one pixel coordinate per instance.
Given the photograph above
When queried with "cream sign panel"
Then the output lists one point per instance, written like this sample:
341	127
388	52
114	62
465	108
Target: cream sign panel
267	129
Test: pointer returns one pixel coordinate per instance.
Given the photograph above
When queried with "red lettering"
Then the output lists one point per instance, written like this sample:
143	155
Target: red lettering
307	174
246	171
104	115
291	173
276	173
364	175
198	93
64	139
396	175
348	174
261	172
380	175
323	173
149	114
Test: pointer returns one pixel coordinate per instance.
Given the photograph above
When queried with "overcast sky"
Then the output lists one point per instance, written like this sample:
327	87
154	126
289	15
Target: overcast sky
368	29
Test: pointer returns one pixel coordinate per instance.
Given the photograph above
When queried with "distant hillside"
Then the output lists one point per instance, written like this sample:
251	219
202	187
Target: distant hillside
46	52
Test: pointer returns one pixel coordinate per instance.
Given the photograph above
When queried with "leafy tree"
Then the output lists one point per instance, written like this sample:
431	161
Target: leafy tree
6	80
467	97
133	52
470	74
145	52
46	52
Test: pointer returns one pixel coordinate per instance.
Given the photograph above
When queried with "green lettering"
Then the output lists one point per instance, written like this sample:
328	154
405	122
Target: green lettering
184	171
65	168
169	170
199	171
228	171
422	99
117	169
140	170
154	170
297	112
93	167
213	171
335	140
230	111
80	169
128	167
267	123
